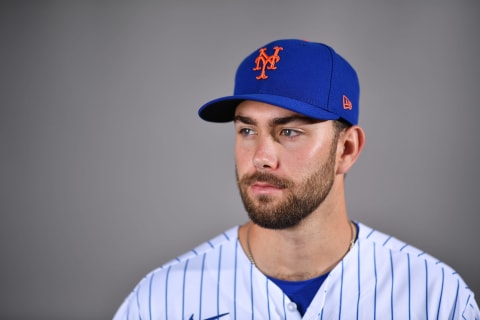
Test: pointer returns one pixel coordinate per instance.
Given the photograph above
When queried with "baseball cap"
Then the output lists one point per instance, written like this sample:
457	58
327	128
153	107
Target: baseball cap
308	78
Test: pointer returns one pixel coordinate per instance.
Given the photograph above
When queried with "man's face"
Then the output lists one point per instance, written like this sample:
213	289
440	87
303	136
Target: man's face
285	163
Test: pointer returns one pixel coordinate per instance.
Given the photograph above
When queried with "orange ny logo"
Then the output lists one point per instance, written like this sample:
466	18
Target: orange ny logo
264	61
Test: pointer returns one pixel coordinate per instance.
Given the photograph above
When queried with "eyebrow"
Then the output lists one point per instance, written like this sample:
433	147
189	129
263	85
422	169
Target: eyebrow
277	121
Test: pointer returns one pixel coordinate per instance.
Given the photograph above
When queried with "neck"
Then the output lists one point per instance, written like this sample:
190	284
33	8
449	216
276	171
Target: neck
303	252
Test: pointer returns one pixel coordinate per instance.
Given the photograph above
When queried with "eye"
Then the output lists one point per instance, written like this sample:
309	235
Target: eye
246	131
289	132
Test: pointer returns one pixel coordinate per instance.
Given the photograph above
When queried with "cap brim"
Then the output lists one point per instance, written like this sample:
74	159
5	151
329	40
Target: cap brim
223	109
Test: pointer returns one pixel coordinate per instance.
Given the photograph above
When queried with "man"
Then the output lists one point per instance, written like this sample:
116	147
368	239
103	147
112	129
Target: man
295	113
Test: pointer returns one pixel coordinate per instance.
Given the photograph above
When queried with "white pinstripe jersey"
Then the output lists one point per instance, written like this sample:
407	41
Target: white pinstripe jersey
380	278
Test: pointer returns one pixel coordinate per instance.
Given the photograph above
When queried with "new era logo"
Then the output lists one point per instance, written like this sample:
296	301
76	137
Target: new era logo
347	104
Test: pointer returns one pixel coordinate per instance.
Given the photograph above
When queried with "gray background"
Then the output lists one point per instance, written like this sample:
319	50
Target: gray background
106	172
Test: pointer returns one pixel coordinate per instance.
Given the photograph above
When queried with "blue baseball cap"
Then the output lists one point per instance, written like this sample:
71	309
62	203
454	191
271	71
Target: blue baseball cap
305	77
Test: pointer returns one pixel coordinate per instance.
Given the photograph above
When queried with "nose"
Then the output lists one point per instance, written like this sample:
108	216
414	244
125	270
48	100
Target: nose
265	156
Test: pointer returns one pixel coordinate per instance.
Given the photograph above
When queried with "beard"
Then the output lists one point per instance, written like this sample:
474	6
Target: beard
301	200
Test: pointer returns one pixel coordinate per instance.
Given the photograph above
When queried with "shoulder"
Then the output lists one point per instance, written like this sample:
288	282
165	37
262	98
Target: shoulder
167	282
390	246
209	247
202	259
398	254
411	273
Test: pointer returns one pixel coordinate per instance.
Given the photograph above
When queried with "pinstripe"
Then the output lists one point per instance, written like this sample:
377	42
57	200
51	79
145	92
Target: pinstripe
409	289
371	232
375	274
226	236
251	290
426	290
218	278
268	300
441	294
183	288
386	241
358	276
235	282
393	281
150	295
456	300
467	305
341	293
128	312
284	311
166	292
138	306
201	284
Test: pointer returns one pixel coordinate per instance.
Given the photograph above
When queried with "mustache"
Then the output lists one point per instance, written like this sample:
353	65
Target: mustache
265	178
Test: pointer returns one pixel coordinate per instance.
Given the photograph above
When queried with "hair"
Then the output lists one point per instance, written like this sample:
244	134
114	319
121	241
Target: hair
339	126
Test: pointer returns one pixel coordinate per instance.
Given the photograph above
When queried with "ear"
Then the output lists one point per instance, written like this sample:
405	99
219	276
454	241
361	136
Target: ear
350	145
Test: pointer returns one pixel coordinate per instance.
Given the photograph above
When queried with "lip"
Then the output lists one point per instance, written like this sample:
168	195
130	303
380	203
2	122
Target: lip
265	188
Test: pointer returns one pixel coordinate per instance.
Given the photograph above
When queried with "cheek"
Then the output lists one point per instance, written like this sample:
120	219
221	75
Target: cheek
243	158
304	152
303	160
297	164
